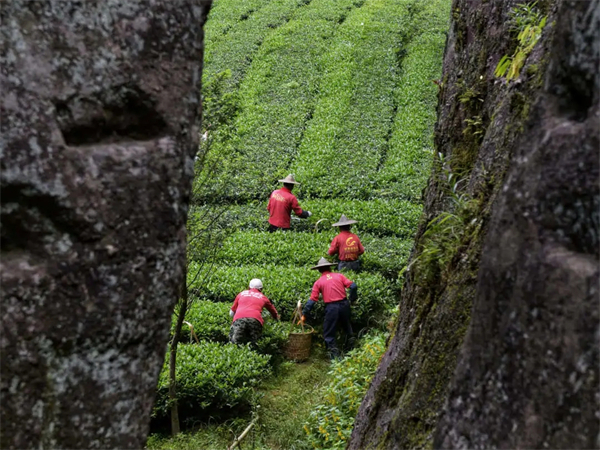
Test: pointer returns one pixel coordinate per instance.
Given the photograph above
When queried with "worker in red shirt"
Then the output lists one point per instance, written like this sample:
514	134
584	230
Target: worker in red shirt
247	314
281	204
346	245
332	287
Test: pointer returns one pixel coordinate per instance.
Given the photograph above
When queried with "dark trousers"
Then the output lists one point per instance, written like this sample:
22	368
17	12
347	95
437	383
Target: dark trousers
337	314
350	265
273	228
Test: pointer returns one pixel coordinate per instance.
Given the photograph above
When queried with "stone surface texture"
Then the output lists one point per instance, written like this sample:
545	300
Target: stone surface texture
499	348
100	117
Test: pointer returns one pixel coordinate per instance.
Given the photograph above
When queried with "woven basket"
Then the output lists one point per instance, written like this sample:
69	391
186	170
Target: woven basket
298	346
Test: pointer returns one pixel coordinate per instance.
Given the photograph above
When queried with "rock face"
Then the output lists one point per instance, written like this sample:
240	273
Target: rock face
100	116
522	274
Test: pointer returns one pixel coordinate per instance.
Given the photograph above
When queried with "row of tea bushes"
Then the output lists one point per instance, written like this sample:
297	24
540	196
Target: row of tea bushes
284	286
330	423
277	99
211	322
406	167
386	255
211	376
234	51
378	217
348	133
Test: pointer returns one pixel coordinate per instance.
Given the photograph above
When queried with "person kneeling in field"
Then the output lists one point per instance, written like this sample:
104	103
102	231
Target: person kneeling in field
246	312
346	245
332	287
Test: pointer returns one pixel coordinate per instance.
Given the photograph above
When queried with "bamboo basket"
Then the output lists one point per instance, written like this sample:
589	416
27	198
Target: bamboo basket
298	346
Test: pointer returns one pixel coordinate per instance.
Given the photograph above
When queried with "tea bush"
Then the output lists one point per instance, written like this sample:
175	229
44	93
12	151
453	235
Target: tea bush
330	423
406	167
379	217
211	375
286	285
231	44
211	321
277	95
384	255
347	136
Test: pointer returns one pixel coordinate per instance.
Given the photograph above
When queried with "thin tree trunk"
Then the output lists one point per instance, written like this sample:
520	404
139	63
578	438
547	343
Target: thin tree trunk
182	309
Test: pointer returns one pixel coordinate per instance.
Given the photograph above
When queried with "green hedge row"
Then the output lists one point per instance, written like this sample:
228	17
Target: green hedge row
286	285
225	15
386	255
379	217
211	321
406	168
348	133
277	98
235	50
330	423
211	375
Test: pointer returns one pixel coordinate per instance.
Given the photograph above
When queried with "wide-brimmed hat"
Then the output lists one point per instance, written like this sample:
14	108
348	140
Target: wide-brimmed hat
289	179
343	221
323	263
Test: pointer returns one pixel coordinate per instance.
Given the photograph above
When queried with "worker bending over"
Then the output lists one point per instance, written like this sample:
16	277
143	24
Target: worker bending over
346	245
332	287
246	312
281	204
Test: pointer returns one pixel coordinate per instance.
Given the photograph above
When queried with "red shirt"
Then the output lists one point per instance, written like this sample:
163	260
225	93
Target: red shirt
348	246
332	285
250	303
281	204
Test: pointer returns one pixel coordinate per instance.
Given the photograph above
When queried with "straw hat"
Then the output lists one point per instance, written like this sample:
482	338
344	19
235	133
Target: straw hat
343	221
323	263
289	179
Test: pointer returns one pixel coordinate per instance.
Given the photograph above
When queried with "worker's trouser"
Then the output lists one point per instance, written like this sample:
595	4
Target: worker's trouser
245	330
350	265
337	314
273	228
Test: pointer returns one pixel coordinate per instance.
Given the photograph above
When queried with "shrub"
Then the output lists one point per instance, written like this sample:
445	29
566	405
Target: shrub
286	285
211	376
379	217
347	135
211	321
277	99
330	423
408	160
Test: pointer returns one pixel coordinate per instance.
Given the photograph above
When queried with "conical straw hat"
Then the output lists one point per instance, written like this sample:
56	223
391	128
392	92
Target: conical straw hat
323	263
289	179
343	221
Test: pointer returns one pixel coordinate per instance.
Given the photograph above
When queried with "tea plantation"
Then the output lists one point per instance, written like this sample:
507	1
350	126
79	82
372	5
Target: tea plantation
341	94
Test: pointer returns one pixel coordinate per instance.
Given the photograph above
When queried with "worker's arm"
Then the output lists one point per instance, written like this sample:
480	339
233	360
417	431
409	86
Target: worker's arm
353	292
334	247
308	308
235	306
272	310
299	211
361	249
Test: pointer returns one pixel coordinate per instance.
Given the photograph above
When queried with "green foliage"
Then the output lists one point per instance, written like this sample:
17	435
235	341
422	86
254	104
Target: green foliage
529	23
347	135
386	255
211	321
278	95
408	160
286	285
378	217
212	376
330	423
444	234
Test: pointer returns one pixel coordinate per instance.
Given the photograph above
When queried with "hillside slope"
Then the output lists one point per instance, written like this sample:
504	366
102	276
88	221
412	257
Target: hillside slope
503	289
